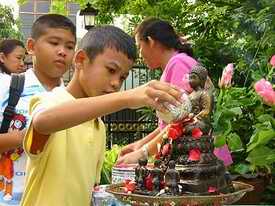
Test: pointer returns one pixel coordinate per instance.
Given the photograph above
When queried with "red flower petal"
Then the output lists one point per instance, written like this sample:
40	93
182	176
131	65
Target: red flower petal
125	182
175	131
131	186
212	189
172	133
177	126
149	183
194	155
196	133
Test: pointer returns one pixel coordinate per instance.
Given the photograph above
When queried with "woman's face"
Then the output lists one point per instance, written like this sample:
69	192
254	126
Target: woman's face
14	61
148	52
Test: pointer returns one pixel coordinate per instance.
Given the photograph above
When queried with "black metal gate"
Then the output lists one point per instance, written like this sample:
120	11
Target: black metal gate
126	126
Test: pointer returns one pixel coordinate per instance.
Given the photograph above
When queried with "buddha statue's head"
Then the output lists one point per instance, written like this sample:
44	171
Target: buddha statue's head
198	76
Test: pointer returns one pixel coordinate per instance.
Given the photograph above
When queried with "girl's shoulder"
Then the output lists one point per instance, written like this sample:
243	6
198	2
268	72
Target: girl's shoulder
183	58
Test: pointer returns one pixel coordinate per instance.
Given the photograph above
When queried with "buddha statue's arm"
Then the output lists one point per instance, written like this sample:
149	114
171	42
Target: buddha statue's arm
206	106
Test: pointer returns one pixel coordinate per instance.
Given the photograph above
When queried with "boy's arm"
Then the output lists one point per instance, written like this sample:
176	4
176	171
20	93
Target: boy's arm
11	140
75	112
70	114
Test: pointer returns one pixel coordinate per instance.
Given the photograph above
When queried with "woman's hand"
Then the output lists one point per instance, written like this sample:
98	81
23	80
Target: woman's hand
131	158
128	149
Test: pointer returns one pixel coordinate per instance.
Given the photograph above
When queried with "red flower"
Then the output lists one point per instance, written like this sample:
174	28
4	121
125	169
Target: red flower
125	182
174	131
131	186
165	149
196	133
177	126
212	189
149	183
194	155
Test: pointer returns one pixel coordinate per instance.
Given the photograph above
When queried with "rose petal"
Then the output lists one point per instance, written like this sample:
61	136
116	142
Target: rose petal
125	182
149	183
212	189
172	133
194	155
196	133
131	186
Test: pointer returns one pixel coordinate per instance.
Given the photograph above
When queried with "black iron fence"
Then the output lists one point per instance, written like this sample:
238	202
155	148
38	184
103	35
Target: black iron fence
126	126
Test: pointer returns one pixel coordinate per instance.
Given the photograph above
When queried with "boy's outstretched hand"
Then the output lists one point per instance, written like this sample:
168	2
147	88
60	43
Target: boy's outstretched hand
154	94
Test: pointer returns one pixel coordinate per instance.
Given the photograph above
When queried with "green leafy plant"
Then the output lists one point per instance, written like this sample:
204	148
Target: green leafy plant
247	125
109	161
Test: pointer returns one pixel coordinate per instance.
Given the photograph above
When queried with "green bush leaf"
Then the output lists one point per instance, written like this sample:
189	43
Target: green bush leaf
264	136
219	141
242	168
234	142
236	110
261	156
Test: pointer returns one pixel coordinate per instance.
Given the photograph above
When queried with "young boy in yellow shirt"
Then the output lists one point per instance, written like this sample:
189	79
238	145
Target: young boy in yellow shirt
65	142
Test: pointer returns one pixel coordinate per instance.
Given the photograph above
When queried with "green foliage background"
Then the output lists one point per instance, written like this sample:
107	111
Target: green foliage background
8	24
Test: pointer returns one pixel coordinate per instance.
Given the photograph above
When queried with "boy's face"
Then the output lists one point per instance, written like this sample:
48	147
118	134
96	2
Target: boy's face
53	52
105	73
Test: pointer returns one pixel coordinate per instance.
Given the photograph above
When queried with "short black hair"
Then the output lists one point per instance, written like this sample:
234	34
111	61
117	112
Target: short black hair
107	36
6	47
55	21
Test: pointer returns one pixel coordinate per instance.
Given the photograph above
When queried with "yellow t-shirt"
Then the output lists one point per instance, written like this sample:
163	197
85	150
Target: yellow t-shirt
64	173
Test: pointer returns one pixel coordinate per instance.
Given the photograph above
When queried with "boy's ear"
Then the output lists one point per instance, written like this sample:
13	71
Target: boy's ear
151	42
30	45
80	58
2	56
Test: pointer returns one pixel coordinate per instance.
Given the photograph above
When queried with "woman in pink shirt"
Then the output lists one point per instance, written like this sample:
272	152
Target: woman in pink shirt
160	47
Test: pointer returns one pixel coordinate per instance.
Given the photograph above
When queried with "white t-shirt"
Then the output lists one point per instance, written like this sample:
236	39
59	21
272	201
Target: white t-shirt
32	86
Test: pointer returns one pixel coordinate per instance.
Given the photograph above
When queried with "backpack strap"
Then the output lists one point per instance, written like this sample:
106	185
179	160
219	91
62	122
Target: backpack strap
16	88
